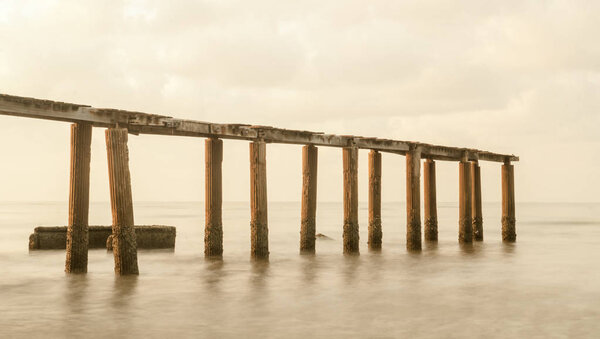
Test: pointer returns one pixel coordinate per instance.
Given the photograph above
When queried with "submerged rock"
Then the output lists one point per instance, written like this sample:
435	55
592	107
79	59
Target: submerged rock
322	236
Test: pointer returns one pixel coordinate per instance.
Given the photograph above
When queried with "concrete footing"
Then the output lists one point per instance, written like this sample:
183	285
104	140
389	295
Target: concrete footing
148	237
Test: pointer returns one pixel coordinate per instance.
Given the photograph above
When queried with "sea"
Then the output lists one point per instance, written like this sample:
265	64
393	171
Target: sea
546	285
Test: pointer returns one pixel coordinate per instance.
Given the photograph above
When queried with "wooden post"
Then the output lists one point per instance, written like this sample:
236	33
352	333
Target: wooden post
431	221
476	211
350	235
213	196
413	199
79	198
123	235
309	198
375	232
508	203
465	222
259	229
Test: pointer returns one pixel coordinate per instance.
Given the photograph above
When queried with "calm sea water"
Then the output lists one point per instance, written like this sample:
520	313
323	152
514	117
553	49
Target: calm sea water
547	285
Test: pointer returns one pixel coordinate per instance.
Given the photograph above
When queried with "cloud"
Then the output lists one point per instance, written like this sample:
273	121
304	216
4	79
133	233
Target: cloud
512	76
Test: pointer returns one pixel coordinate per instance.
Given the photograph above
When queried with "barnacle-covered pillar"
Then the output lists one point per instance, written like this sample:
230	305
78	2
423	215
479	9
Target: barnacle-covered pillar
350	234
121	201
213	229
508	202
476	210
309	199
259	229
465	222
79	199
430	199
413	199
375	232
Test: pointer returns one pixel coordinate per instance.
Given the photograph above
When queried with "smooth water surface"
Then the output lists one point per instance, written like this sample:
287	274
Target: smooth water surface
546	285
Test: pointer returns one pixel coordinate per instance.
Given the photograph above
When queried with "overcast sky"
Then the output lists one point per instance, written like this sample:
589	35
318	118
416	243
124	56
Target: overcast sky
518	77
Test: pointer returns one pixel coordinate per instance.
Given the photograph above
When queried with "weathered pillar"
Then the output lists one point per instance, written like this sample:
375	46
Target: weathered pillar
213	196
351	237
413	199
79	198
476	211
123	235
508	202
259	229
465	222
375	232
431	221
309	198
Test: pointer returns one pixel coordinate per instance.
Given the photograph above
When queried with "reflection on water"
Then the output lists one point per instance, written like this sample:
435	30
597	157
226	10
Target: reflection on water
309	269
542	286
121	303
351	265
508	249
123	292
259	276
75	292
430	247
468	249
214	273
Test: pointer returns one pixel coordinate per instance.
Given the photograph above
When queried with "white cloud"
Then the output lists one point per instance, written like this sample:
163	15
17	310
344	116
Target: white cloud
512	76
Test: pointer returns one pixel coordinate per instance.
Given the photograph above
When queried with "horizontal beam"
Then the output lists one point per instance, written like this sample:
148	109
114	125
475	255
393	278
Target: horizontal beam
144	123
44	109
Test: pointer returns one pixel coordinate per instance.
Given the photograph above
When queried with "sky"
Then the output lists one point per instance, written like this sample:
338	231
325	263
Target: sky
519	77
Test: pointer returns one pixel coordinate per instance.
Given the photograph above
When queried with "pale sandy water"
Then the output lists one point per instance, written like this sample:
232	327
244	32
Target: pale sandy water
547	285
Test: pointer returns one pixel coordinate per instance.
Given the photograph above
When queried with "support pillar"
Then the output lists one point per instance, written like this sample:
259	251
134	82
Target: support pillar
508	203
476	211
465	221
413	199
309	198
79	198
350	235
213	230
259	229
123	235
431	220
375	232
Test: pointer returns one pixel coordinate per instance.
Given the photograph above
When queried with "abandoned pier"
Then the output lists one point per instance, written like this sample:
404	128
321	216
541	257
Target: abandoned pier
119	124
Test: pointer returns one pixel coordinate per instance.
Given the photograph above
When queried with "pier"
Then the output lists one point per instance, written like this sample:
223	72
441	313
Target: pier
118	124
